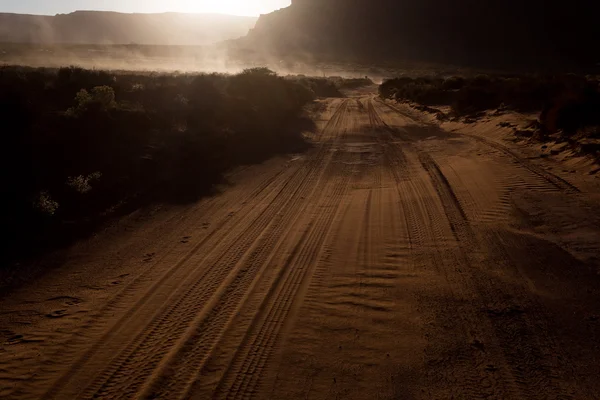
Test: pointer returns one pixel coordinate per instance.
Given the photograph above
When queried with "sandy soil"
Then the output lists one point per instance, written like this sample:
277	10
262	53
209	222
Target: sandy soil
395	260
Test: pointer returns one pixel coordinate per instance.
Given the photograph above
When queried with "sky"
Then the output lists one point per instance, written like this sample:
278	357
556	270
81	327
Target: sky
235	7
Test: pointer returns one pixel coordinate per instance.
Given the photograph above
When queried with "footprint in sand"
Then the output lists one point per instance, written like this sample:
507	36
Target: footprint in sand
15	339
186	239
119	279
61	305
57	314
92	287
67	300
149	257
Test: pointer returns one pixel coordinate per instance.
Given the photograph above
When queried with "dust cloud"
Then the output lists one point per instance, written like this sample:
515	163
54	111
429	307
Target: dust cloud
220	58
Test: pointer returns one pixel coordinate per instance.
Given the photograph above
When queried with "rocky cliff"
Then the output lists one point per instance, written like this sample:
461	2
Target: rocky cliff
484	33
92	27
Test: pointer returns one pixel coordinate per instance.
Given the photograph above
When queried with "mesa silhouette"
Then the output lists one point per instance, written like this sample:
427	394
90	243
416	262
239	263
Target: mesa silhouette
494	33
95	27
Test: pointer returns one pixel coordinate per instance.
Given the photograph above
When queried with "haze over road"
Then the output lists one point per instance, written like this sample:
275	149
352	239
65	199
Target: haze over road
393	260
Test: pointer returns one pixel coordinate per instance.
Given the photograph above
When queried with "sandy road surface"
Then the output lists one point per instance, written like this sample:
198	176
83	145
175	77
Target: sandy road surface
391	261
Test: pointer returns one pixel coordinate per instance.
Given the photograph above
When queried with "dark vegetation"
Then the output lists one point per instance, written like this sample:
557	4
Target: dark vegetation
331	86
80	145
351	83
506	34
568	102
569	105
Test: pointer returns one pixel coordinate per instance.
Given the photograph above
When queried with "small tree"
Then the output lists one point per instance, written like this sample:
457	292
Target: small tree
44	203
102	98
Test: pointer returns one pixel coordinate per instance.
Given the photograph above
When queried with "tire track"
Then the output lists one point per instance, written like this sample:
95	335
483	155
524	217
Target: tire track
69	348
244	377
335	119
516	327
444	190
504	373
256	350
225	304
395	158
166	320
549	177
553	179
376	246
426	222
208	332
123	365
454	363
244	369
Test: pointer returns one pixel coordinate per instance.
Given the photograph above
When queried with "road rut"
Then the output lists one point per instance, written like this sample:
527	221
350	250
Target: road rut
391	260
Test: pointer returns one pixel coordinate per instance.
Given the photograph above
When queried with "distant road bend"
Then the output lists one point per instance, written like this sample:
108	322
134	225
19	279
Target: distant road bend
393	260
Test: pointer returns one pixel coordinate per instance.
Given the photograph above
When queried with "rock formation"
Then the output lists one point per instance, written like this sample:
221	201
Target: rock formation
469	32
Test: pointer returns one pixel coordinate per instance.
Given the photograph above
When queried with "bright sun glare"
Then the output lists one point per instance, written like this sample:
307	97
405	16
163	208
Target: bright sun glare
236	7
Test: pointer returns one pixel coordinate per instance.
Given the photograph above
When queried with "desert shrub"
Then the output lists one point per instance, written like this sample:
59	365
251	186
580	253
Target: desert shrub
427	91
576	111
82	184
481	80
78	142
453	83
474	98
389	88
330	86
319	87
568	101
352	83
102	98
43	203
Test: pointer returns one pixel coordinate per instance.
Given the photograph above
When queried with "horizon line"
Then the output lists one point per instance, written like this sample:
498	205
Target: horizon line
132	13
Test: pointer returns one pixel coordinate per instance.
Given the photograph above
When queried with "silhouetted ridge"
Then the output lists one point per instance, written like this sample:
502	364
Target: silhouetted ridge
95	27
486	33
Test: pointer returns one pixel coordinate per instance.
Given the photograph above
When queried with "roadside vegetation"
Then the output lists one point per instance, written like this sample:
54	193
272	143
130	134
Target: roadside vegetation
568	105
81	145
330	86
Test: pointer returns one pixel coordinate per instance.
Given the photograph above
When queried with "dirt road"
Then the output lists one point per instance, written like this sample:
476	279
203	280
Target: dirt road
392	261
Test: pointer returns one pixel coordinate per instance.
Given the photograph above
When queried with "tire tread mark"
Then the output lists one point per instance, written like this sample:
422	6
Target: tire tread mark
555	180
228	260
112	303
516	381
160	318
199	345
259	345
127	359
242	376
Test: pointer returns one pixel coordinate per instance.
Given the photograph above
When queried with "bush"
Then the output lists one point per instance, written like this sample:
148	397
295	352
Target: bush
352	83
331	86
568	101
453	83
474	98
82	184
44	203
78	142
318	87
102	98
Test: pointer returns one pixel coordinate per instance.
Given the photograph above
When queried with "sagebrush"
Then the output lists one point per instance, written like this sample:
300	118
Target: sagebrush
76	142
